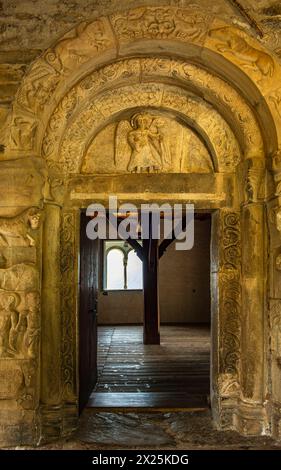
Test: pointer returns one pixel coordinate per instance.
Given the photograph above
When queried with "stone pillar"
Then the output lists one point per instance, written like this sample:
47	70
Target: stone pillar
274	303
251	417
226	315
51	392
70	229
21	188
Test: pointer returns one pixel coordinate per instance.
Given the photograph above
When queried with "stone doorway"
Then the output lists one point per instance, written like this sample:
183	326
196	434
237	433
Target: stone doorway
184	297
212	133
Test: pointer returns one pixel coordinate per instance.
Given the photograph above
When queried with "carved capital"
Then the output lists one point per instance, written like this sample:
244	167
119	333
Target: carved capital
255	169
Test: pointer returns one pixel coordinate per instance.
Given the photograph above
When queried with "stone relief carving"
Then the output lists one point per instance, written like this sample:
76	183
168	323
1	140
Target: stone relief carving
22	133
161	23
38	87
278	262
275	98
231	241
230	285
81	130
15	231
11	380
228	386
27	391
82	92
254	176
19	308
275	323
147	142
9	319
276	167
67	264
19	326
85	40
149	147
250	57
277	212
20	277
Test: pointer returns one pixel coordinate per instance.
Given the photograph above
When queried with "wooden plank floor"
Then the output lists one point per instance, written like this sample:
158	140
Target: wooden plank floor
172	375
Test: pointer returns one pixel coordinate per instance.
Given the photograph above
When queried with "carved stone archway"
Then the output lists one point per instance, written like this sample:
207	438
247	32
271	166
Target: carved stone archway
175	65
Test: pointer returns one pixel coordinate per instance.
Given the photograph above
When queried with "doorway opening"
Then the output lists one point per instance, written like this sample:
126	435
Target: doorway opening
176	372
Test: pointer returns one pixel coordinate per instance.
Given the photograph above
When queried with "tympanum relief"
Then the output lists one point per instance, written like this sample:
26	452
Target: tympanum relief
147	142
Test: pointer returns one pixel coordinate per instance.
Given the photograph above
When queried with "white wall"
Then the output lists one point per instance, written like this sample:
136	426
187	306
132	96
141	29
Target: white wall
184	286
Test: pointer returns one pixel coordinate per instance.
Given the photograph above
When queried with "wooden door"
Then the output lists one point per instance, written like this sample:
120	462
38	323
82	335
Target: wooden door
89	251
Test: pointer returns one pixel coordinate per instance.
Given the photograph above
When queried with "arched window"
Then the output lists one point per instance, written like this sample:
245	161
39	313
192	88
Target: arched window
134	271
122	267
115	269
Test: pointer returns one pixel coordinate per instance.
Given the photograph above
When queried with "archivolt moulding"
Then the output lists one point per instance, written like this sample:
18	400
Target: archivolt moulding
183	33
210	90
67	155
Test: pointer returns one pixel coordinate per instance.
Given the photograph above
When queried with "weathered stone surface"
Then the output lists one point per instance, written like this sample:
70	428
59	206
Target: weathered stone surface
186	95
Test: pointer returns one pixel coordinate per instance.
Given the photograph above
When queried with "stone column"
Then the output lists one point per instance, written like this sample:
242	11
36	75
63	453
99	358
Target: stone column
51	392
226	324
70	229
274	304
250	419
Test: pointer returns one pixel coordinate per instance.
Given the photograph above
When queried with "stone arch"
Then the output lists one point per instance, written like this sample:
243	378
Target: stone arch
193	64
107	39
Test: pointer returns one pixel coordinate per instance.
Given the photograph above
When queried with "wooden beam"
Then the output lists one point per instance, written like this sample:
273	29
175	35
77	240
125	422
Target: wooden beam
136	247
164	245
167	241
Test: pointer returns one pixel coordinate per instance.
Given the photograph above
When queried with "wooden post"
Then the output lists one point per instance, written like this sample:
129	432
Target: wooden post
151	327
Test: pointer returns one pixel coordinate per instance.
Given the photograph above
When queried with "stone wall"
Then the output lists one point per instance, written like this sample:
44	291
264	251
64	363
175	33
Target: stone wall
204	90
184	287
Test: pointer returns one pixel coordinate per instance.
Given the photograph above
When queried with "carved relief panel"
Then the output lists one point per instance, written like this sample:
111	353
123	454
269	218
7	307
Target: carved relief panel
19	307
230	304
147	142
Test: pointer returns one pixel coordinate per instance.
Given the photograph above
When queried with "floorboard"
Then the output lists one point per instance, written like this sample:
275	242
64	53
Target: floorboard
174	374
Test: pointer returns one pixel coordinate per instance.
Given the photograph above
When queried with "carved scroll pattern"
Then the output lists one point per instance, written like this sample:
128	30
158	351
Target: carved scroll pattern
230	293
68	305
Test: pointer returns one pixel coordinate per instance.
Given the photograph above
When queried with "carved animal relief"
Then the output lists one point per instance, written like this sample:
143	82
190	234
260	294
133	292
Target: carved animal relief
231	42
161	23
18	231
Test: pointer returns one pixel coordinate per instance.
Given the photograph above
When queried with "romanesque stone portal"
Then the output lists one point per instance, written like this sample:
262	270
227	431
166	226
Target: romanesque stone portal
152	104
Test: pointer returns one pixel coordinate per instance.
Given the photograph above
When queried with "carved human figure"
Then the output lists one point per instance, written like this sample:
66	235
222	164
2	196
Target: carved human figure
147	143
22	133
8	323
31	337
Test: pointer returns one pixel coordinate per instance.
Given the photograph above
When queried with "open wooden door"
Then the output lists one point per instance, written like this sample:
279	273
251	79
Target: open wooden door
89	250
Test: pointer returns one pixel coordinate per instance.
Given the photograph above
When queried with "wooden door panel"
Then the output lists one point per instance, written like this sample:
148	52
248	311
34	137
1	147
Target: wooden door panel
89	250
